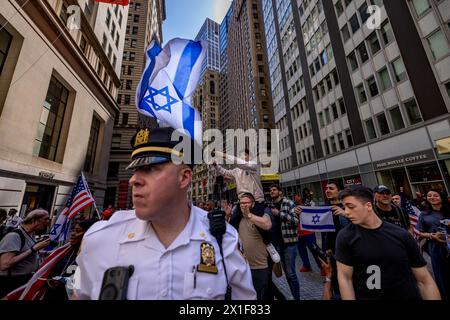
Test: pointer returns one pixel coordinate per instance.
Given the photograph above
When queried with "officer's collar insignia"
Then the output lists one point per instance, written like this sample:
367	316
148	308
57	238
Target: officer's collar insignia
131	235
142	137
207	259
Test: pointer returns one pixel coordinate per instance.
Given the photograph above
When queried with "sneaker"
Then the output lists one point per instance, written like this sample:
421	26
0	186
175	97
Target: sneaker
273	253
303	269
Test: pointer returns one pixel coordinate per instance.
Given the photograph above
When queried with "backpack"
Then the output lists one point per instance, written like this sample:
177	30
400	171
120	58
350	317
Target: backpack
4	230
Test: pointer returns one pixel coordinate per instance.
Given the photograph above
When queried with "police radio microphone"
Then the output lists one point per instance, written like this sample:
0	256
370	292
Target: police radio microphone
217	228
217	224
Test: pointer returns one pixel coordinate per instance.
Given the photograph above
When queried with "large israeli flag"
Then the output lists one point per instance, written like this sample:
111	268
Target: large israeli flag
317	219
170	77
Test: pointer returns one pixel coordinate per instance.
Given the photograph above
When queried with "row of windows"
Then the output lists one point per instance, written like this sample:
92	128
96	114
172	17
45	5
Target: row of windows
303	131
323	59
327	84
397	120
381	80
338	143
332	113
306	155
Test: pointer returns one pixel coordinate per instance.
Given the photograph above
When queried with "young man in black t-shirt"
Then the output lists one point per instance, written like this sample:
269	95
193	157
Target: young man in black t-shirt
378	260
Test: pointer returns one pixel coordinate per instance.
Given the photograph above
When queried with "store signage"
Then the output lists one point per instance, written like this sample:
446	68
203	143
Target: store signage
46	175
443	146
352	181
405	160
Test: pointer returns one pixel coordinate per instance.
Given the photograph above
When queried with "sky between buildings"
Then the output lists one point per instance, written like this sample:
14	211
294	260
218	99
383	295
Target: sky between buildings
185	17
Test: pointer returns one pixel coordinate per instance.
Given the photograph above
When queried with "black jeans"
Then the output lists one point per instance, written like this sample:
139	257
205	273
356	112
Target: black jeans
10	283
261	282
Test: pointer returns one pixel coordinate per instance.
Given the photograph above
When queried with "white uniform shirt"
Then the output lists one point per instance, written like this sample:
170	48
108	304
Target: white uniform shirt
161	273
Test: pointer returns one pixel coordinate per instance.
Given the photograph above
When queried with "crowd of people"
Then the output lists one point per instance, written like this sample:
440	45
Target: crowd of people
180	250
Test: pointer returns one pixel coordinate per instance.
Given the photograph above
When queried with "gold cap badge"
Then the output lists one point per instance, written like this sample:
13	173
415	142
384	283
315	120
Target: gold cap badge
142	137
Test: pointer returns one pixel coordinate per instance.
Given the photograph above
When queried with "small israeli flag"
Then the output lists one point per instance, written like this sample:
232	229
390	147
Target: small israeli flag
169	80
317	219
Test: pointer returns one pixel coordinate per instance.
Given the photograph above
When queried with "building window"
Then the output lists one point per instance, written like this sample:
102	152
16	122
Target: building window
421	6
386	32
63	15
136	18
385	80
342	106
371	133
438	44
413	112
52	117
348	133
373	88
124	119
354	23
132	56
133	43
361	94
108	18
327	147
113	169
383	124
135	30
127	99
363	12
345	33
129	84
5	44
363	55
353	61
341	141
339	8
374	44
397	119
399	70
335	111
92	146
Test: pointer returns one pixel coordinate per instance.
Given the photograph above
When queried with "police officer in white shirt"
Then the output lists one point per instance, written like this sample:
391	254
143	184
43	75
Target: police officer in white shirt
165	238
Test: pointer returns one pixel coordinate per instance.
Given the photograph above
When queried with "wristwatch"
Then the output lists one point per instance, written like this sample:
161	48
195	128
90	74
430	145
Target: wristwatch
327	280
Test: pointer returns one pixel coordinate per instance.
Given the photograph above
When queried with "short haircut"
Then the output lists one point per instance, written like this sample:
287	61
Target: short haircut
338	183
12	211
276	186
35	215
247	195
361	193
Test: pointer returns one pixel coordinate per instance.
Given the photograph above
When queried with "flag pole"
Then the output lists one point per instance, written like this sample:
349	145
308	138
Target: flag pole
89	190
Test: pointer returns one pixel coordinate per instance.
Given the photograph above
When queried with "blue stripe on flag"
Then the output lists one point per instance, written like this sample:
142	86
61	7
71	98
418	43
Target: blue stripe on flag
316	210
319	227
152	53
188	59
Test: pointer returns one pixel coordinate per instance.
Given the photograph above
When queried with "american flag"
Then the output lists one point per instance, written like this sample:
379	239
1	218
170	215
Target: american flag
79	199
36	287
413	214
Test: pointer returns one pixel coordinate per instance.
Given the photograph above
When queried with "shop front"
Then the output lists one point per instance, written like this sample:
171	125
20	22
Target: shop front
416	172
37	196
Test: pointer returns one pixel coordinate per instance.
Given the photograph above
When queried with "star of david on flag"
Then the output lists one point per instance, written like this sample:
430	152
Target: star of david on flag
156	98
168	82
317	219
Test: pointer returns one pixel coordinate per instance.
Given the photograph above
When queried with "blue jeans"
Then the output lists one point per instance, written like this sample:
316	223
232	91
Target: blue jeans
303	243
288	253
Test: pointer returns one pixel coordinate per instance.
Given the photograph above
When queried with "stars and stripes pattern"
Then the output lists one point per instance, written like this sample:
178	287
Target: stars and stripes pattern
79	199
35	288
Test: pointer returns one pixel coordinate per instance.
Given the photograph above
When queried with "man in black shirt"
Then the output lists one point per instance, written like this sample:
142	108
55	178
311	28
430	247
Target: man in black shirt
387	211
378	260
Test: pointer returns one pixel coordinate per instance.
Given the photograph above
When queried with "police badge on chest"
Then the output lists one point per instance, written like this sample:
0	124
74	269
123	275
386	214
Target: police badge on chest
208	259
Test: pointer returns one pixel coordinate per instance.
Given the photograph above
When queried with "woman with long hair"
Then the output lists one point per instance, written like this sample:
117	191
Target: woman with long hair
430	228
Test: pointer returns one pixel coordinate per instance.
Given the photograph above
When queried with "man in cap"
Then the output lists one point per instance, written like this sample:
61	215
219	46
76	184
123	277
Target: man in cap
165	238
387	210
